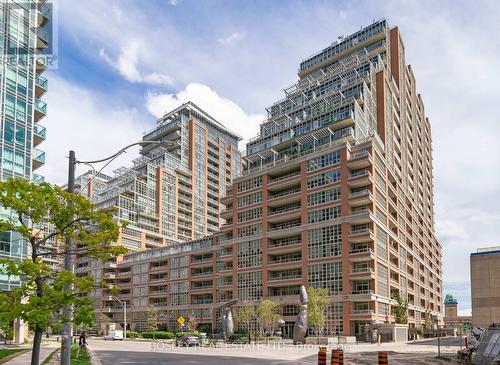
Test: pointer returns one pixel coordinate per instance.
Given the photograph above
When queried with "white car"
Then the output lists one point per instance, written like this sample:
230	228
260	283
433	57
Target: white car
114	335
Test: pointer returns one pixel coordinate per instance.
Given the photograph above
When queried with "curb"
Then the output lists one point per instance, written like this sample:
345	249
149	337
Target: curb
13	356
94	360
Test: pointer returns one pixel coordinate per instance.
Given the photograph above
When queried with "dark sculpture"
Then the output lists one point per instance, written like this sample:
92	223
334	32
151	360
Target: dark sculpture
300	327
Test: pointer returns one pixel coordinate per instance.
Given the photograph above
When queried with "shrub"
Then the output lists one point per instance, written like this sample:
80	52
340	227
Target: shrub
132	334
180	334
162	335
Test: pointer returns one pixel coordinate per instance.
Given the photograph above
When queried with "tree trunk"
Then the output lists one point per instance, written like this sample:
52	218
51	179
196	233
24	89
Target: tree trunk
37	342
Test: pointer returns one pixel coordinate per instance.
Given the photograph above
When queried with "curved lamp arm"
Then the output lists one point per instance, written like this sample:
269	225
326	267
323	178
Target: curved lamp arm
125	148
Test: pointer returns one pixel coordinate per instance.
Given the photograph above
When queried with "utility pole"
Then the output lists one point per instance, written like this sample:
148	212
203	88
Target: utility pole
69	264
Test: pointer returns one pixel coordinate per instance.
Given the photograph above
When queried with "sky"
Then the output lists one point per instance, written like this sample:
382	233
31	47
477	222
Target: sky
123	63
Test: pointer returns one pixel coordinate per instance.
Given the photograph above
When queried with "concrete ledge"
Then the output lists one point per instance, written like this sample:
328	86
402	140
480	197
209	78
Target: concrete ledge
94	360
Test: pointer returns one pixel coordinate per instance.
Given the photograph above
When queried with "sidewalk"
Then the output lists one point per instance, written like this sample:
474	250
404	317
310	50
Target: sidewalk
25	358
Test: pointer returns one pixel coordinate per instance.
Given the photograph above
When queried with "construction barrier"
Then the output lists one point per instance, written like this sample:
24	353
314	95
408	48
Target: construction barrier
382	358
322	356
335	357
341	357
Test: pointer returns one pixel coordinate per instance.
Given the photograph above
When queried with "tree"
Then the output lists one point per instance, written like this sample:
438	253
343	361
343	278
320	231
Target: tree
103	322
400	310
42	215
268	315
6	330
245	315
316	308
192	323
152	320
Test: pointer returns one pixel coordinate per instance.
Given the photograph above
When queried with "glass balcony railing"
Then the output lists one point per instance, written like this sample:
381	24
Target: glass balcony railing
40	131
38	179
40	106
39	156
42	82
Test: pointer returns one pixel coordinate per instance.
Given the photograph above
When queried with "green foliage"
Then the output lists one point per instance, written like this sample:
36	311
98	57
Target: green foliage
44	215
316	308
400	310
133	334
244	315
7	352
192	324
180	334
268	315
153	317
158	334
6	330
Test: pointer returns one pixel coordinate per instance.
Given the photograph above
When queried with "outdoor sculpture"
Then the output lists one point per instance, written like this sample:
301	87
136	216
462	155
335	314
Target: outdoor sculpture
227	318
300	327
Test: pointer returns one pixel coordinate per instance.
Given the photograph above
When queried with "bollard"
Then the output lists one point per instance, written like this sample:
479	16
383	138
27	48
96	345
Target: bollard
341	357
382	358
322	356
335	357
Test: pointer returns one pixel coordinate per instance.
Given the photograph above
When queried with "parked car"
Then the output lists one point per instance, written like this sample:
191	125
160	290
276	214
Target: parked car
114	335
187	341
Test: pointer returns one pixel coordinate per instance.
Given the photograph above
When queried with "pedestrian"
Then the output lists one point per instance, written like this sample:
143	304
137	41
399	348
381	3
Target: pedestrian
82	341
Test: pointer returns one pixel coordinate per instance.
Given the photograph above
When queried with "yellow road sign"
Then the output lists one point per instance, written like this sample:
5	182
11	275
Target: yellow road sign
181	320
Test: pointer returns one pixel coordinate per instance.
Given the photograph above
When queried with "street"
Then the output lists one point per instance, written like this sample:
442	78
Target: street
142	352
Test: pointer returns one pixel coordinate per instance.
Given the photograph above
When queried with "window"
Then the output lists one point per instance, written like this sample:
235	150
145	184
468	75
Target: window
327	275
250	230
324	161
250	254
250	183
249	199
250	214
324	242
323	197
250	285
325	178
323	214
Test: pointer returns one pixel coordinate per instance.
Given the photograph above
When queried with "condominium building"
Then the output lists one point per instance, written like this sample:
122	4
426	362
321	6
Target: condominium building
485	286
336	193
23	37
172	192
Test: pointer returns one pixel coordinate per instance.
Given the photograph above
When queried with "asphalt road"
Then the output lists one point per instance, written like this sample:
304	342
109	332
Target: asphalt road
142	353
145	358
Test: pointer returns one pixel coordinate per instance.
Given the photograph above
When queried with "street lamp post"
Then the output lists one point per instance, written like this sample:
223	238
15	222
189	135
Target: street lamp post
124	306
69	255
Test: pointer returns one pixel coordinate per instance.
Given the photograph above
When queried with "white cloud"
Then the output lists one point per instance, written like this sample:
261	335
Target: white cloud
465	312
173	2
90	125
127	65
223	110
232	38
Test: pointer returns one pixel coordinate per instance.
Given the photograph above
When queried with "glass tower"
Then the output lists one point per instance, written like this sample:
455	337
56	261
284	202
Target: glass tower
24	38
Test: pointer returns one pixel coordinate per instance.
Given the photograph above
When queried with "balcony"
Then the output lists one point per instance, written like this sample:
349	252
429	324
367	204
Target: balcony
281	276
360	215
362	312
362	196
38	159
42	14
362	273
39	134
40	110
361	291
41	84
359	159
38	179
41	65
42	39
359	178
361	235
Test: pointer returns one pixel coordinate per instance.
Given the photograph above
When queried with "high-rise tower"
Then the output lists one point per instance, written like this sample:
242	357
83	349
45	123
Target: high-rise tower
23	36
